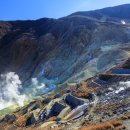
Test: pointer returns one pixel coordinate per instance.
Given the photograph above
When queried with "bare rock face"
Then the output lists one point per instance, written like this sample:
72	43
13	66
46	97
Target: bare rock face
5	28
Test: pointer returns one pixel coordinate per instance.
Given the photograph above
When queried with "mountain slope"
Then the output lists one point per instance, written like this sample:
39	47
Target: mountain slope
84	58
116	13
58	47
101	102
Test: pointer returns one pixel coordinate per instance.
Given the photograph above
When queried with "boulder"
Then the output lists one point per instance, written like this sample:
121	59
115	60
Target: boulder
73	101
53	109
56	109
76	113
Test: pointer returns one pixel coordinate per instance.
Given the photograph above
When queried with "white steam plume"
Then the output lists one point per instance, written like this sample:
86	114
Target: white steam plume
9	90
34	81
37	84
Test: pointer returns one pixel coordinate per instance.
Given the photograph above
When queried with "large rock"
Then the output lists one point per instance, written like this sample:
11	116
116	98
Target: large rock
73	101
56	109
51	111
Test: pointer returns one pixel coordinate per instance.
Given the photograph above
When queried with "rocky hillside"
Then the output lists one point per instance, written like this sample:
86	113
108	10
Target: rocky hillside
58	49
99	103
83	57
109	14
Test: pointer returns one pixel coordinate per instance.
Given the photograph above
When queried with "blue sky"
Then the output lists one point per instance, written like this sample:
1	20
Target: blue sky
34	9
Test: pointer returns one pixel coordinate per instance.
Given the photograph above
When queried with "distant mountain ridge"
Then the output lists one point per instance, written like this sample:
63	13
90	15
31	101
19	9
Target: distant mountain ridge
117	12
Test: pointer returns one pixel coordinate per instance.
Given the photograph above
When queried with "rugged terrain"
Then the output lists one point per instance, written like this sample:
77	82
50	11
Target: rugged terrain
83	57
99	103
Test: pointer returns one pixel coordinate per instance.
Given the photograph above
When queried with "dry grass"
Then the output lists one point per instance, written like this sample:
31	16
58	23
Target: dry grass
116	123
109	125
99	126
83	91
